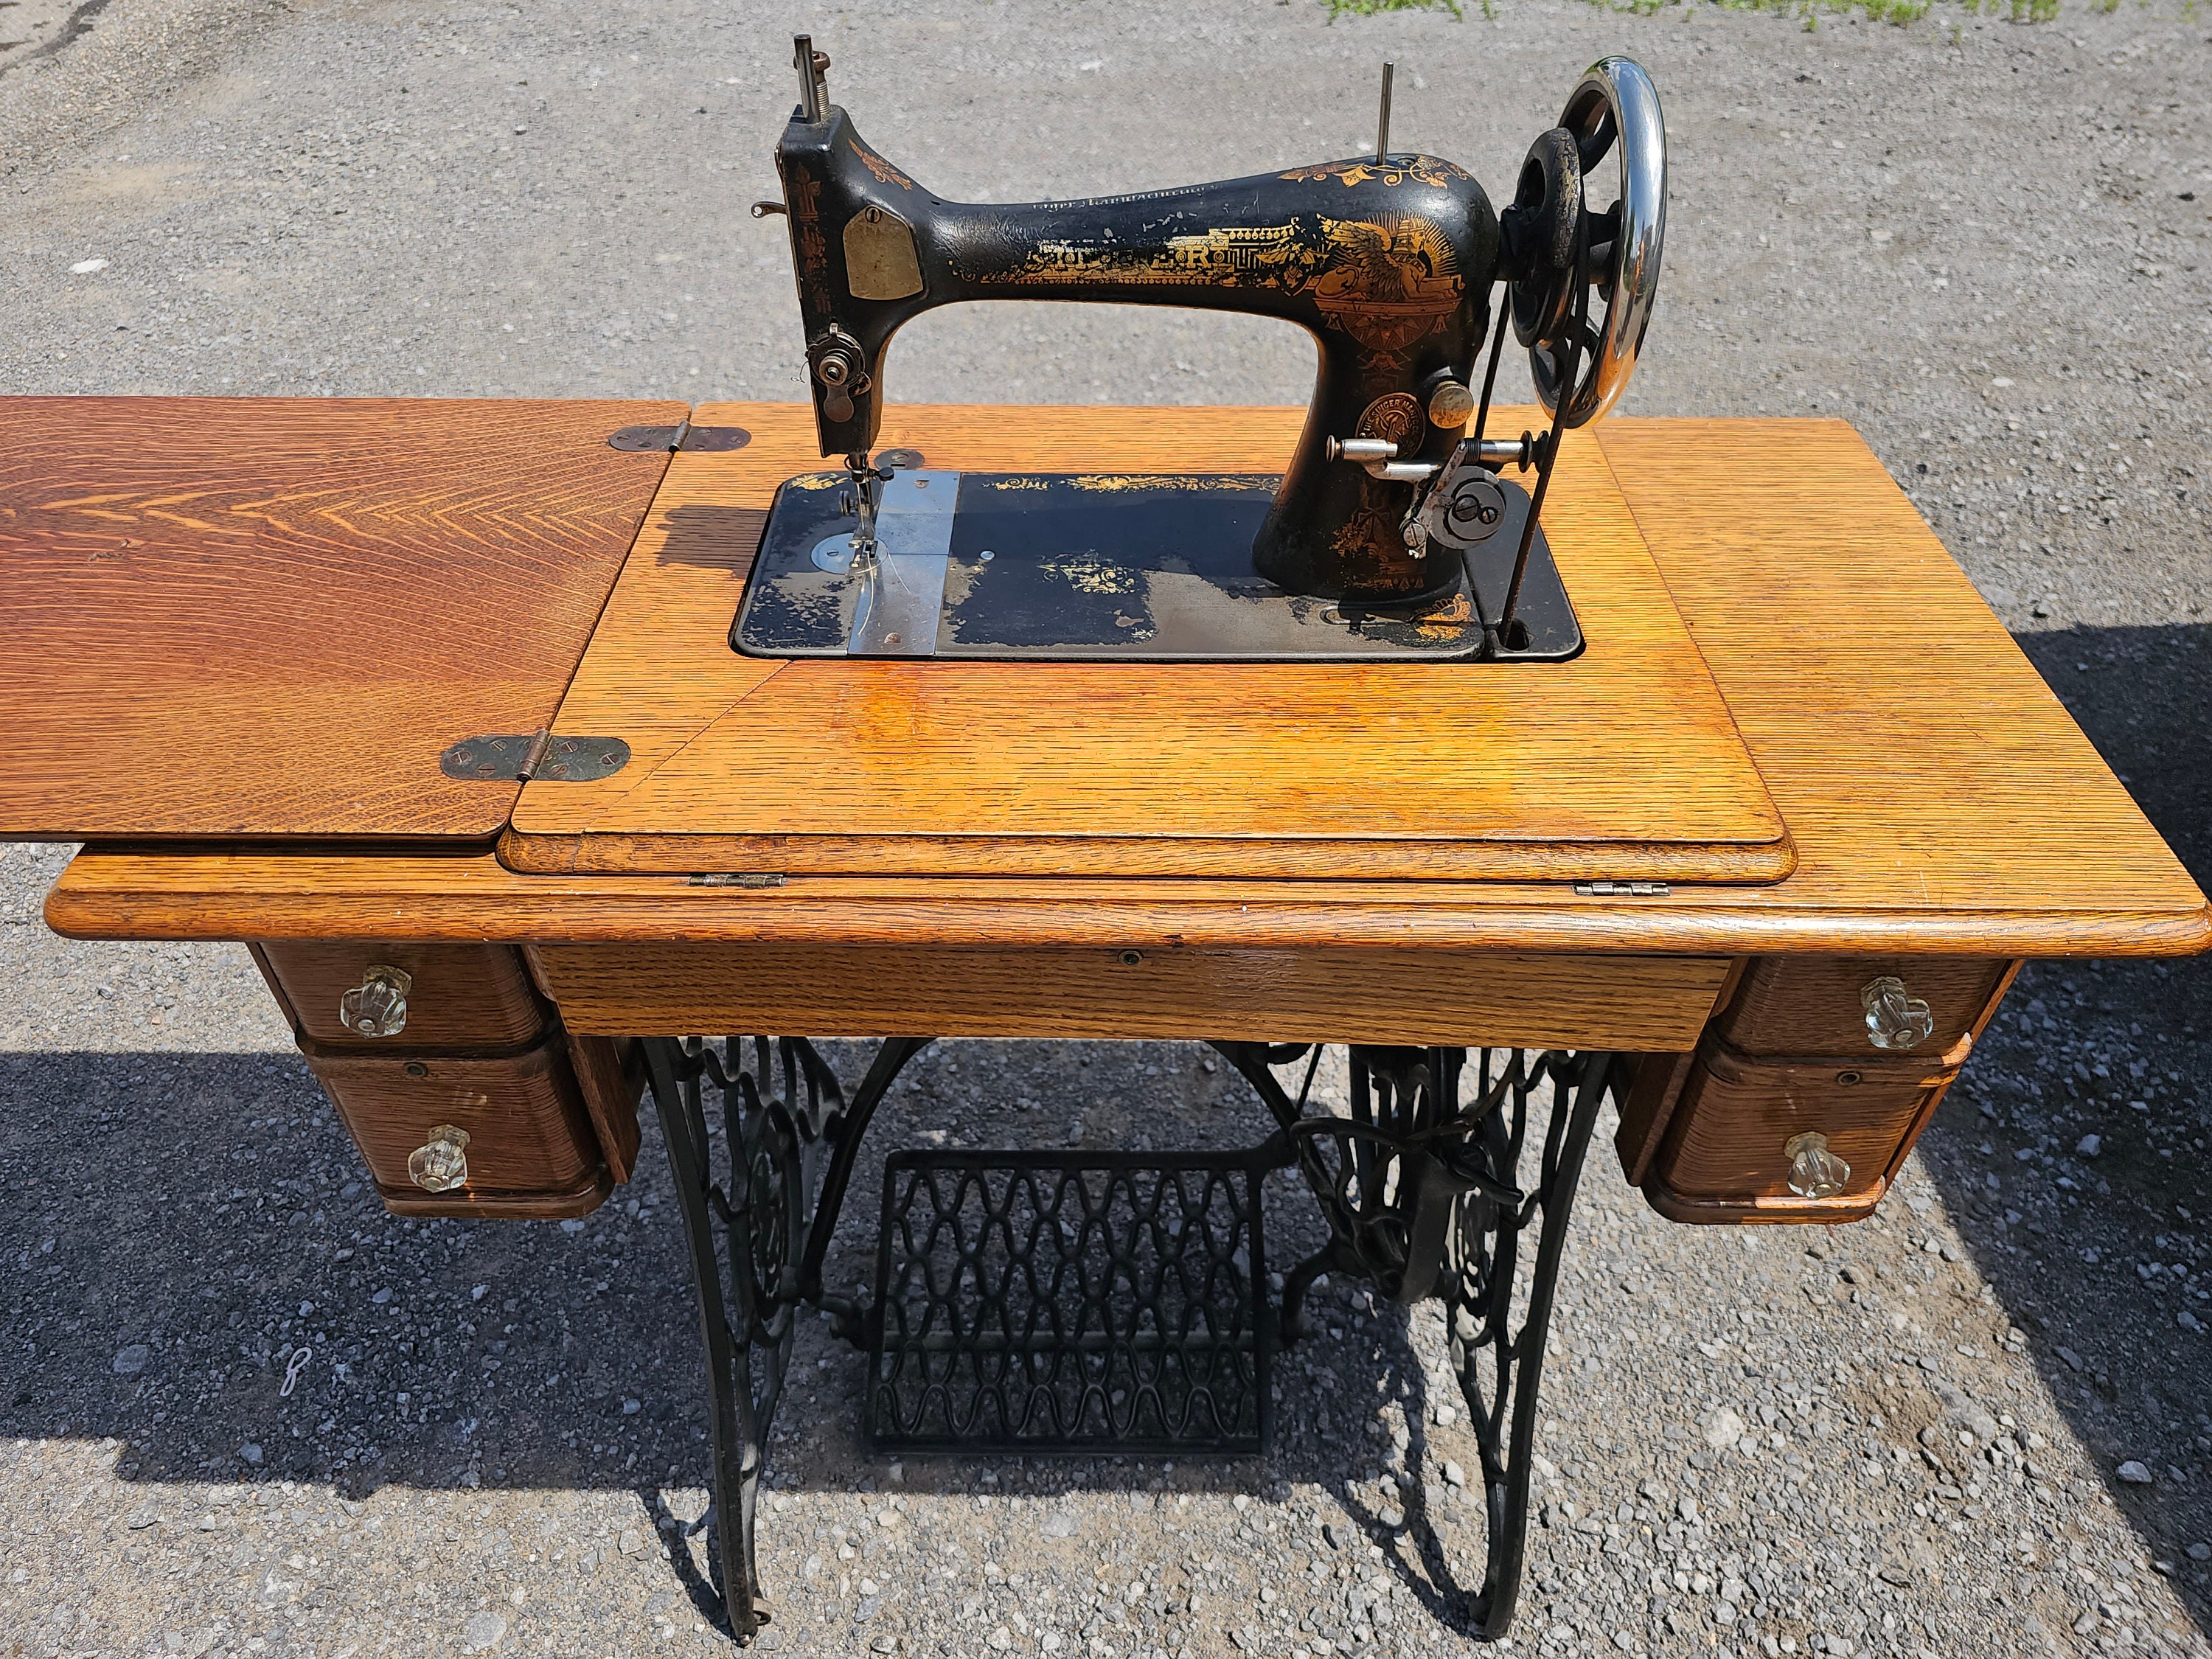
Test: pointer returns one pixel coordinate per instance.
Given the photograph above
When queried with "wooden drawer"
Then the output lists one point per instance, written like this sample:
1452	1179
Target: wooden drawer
530	1149
668	988
611	1072
458	996
1812	1004
1725	1156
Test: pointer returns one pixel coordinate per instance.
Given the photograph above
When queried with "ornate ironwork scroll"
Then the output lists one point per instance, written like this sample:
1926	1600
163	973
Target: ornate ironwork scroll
1141	1273
758	1217
1072	1302
1418	1183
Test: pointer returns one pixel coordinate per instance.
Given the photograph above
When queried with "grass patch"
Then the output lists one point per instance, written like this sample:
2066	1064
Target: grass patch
1374	8
1899	14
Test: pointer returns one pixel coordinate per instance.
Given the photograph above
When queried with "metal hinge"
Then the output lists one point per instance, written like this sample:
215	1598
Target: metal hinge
1622	889
743	878
520	757
682	437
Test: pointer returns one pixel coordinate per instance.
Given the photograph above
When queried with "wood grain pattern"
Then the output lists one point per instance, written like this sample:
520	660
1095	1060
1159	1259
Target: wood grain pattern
1763	1211
267	618
1645	1111
1737	1112
528	1136
1304	995
1921	762
1962	1049
581	1199
1621	763
1894	857
217	894
610	1077
1811	1004
462	996
1767	1206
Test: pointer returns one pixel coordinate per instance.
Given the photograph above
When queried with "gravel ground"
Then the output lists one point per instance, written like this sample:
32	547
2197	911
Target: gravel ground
1975	1425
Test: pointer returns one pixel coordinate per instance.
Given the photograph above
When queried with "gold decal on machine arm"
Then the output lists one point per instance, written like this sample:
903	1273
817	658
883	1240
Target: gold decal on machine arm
884	171
1388	283
813	248
1114	483
1265	255
1422	169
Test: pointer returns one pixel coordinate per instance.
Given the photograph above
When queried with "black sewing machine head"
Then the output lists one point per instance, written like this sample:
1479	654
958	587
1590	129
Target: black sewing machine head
1388	500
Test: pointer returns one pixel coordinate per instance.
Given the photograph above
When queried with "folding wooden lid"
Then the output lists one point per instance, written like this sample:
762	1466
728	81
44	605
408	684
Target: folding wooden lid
1624	763
261	618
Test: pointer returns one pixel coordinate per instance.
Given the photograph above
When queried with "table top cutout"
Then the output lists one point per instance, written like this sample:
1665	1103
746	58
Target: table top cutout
1624	763
268	617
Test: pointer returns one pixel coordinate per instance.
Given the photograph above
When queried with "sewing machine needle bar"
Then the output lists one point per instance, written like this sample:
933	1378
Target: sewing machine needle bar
1382	123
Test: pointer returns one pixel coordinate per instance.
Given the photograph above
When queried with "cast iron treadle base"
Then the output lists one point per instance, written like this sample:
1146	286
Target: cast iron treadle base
1078	1302
1018	1293
758	1232
1420	1184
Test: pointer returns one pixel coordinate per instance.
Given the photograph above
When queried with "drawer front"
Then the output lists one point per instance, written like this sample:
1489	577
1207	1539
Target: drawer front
1728	1141
456	996
1815	1005
529	1146
1366	995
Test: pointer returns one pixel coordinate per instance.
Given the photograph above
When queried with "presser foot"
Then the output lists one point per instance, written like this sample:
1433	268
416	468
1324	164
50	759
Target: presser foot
757	1218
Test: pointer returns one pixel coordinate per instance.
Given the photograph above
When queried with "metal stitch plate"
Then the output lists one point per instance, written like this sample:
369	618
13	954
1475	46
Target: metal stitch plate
1134	567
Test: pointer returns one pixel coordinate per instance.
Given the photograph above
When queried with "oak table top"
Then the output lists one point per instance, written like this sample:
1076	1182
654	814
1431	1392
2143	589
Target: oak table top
1935	796
268	617
1622	764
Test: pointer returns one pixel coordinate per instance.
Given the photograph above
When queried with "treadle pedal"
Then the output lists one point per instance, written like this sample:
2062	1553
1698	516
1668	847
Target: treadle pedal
1084	1303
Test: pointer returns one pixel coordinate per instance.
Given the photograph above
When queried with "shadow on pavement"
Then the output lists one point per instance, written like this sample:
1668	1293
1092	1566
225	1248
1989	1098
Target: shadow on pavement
182	1225
2095	1248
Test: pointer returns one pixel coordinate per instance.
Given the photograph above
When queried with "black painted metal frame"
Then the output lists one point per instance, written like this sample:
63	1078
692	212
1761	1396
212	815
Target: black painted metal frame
1417	1187
1418	1184
1073	1304
758	1234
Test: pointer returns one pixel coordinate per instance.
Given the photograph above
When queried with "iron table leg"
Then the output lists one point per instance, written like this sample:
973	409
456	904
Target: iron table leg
758	1237
1418	1184
1478	1303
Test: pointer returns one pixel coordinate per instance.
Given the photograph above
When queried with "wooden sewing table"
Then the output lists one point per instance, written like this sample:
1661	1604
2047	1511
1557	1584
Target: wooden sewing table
1760	864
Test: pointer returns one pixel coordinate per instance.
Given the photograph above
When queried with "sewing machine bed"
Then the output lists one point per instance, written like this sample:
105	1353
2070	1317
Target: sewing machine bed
1622	764
1002	567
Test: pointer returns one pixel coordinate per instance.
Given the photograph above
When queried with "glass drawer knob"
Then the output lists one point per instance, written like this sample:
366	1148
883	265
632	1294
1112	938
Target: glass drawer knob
1895	1018
377	1007
441	1163
1814	1171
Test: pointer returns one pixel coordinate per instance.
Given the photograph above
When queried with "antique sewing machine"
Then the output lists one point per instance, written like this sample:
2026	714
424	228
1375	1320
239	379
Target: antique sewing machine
1391	534
1752	878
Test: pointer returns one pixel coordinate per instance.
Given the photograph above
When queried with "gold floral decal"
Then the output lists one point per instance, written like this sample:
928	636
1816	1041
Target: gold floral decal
1423	169
1260	256
1389	282
884	171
